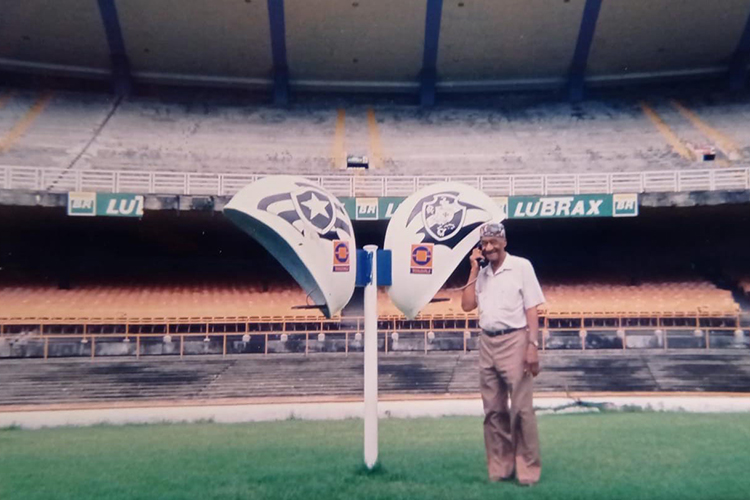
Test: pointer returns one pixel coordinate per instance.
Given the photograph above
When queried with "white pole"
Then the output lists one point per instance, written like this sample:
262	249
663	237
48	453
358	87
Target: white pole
371	362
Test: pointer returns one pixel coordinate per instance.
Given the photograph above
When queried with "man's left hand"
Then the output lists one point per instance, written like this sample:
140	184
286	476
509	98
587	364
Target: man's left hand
531	361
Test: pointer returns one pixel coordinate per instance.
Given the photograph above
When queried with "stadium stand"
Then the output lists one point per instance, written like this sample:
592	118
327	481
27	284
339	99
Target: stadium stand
657	299
727	116
27	382
84	131
192	302
648	299
142	302
61	130
195	142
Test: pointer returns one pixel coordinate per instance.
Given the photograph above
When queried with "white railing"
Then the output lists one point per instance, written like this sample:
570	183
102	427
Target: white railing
183	183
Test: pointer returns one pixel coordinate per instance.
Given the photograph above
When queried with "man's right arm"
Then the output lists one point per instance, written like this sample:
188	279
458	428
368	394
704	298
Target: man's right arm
469	295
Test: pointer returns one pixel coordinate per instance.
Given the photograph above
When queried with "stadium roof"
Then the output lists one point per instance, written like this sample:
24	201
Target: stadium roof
378	45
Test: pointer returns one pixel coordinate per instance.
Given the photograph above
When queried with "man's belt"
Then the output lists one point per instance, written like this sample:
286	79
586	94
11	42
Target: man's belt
498	333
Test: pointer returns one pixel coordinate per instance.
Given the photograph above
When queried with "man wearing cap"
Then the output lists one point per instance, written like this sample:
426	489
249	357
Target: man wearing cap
507	293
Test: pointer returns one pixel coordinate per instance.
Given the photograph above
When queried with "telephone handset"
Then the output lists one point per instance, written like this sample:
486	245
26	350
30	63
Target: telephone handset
483	261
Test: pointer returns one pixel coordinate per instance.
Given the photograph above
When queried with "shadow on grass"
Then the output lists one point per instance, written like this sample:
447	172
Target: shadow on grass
379	474
377	470
579	407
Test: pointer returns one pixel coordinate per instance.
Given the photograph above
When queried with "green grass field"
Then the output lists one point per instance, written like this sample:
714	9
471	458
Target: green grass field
596	456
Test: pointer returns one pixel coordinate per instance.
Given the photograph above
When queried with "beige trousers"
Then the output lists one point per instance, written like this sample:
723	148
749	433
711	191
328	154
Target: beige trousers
511	438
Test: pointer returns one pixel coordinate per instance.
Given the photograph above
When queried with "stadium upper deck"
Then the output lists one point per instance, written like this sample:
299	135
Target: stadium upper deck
507	136
280	48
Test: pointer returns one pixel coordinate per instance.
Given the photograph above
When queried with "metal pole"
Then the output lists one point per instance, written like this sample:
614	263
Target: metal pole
371	362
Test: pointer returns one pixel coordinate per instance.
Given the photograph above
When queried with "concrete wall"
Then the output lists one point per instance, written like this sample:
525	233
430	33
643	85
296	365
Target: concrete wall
208	38
345	40
637	36
65	32
512	39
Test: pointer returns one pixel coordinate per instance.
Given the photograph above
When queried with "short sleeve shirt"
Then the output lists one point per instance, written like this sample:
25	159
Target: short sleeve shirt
504	296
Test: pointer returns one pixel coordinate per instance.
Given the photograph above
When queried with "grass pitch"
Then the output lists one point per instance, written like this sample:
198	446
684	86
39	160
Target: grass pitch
599	456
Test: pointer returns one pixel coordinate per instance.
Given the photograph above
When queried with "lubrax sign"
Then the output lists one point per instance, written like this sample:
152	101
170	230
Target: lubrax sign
105	204
517	207
588	205
513	207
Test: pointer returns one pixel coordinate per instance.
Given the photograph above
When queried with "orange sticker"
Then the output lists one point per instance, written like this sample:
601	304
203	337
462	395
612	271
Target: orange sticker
340	256
421	258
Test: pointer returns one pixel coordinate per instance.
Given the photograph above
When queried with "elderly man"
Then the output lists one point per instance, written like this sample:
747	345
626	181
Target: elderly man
507	293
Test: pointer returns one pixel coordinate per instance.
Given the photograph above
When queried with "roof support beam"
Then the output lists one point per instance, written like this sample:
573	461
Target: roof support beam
428	75
278	52
122	81
740	60
577	72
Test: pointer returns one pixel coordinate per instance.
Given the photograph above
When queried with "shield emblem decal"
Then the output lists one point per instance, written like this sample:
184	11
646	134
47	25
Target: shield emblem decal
285	214
315	208
443	216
